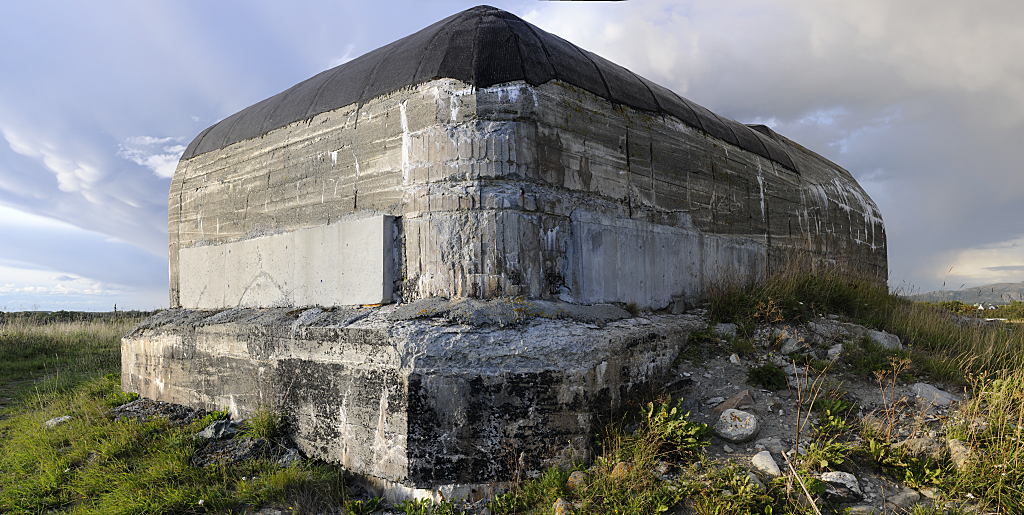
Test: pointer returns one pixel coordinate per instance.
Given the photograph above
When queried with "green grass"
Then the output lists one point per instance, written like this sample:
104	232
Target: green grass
987	358
48	357
941	347
94	464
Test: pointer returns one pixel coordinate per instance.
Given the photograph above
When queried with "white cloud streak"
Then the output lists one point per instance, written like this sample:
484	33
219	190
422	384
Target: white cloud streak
160	155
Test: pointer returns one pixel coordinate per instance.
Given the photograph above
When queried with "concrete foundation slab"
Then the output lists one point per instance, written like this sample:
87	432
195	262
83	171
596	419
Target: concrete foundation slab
422	404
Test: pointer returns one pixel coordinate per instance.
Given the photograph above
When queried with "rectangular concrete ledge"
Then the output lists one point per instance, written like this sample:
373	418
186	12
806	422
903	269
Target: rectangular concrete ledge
417	406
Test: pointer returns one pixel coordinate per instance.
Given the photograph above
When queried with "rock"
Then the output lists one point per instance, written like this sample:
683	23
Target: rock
929	492
886	340
561	507
714	401
622	469
56	421
930	395
773	444
827	330
725	330
736	426
728	449
577	479
232	451
923	447
145	410
218	429
744	399
863	509
755	481
834	352
791	345
905	498
765	463
734	359
959	453
842	487
288	457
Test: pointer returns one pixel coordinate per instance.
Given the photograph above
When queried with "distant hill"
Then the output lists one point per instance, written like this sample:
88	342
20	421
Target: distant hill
999	293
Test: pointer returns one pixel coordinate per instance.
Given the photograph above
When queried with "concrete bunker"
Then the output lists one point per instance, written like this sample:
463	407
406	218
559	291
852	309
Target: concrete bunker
421	256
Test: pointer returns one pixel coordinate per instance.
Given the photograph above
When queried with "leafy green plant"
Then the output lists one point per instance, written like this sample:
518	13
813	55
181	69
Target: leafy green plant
363	506
833	417
825	454
670	425
429	507
721	489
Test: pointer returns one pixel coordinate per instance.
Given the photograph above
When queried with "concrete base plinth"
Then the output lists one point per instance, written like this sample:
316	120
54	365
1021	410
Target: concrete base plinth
419	406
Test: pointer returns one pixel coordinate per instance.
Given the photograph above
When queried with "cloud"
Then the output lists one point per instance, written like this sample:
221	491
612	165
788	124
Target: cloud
922	101
72	175
347	56
1014	268
160	155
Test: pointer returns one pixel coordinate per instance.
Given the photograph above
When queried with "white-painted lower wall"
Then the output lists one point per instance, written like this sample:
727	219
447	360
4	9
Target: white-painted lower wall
343	263
650	265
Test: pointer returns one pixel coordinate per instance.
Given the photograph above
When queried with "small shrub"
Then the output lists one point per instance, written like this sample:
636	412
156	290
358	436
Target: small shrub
769	376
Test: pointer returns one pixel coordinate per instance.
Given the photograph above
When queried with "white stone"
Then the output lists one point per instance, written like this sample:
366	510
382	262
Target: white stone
56	421
734	359
929	394
765	463
888	341
842	486
736	426
835	351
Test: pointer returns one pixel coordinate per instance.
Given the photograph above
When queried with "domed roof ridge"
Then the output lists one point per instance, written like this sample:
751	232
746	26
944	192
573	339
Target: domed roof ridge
481	46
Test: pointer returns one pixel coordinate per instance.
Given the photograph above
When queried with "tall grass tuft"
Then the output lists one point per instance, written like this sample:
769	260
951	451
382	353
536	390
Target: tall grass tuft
45	357
943	346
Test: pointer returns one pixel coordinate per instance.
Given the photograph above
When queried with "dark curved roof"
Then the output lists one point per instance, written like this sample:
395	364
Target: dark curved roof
481	46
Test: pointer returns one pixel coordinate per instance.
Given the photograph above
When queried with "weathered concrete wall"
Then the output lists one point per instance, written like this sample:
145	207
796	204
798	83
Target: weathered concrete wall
542	192
342	263
406	399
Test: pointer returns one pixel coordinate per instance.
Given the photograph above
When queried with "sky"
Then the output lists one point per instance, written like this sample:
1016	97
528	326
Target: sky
922	100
